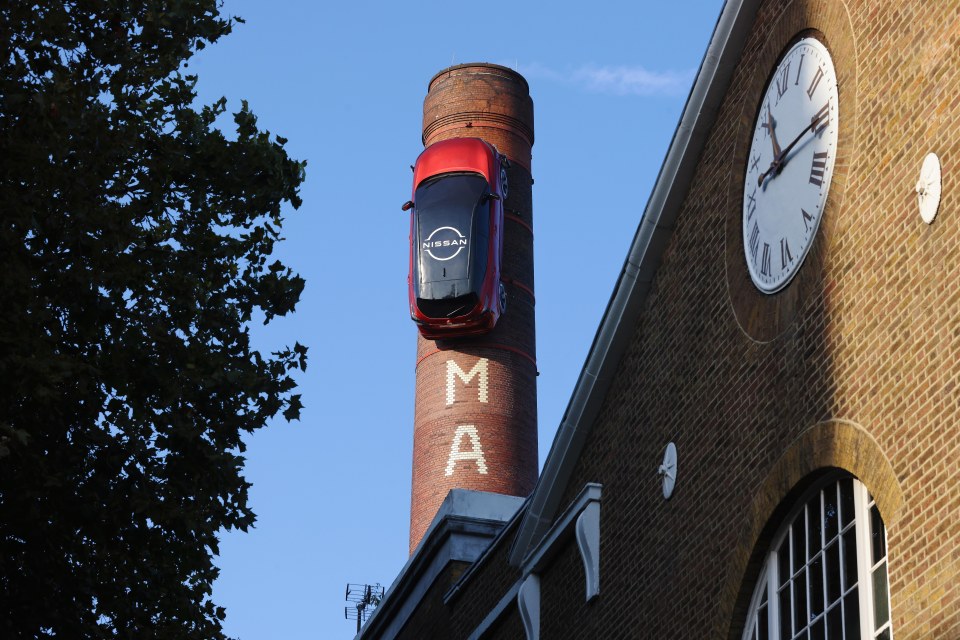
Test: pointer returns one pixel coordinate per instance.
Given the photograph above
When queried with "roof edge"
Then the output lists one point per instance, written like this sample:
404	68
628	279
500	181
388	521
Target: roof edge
462	529
643	259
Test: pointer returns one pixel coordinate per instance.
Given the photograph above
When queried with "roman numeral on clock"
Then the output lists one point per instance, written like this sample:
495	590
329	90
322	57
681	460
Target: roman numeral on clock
807	219
799	67
751	204
754	241
765	260
820	121
818	168
785	256
814	82
783	81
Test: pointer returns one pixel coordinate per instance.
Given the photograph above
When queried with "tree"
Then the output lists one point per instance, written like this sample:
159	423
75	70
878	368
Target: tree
134	252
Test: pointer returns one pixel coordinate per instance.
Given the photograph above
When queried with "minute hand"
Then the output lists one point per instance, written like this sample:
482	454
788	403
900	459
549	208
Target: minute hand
781	158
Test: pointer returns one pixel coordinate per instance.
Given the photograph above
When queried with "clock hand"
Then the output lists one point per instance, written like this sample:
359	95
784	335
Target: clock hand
771	127
793	143
781	158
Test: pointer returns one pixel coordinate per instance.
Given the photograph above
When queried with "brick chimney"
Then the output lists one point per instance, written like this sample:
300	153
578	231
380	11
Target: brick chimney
475	421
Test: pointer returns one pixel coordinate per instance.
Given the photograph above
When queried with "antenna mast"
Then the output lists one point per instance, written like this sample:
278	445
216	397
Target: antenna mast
364	599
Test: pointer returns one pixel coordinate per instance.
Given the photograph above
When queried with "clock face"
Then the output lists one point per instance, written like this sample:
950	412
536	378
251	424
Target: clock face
790	164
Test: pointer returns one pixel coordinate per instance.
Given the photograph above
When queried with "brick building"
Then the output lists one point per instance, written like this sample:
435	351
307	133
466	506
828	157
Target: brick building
805	373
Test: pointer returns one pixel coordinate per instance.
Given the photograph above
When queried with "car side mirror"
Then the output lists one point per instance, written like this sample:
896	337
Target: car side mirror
407	205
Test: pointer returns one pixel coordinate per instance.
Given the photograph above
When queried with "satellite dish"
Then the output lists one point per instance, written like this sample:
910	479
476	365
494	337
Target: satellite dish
668	470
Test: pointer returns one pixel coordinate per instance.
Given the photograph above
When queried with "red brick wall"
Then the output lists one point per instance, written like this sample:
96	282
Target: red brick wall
493	103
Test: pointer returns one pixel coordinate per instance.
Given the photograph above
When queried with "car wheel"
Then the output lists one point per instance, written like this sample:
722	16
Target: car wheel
503	298
503	181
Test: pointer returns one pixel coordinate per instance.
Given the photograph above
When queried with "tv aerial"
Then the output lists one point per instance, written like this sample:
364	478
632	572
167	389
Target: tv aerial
364	598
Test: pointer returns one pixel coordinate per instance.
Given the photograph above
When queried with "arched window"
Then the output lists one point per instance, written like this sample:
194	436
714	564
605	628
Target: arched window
825	576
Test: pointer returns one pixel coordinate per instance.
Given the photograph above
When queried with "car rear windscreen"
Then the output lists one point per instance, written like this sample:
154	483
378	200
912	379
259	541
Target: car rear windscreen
452	233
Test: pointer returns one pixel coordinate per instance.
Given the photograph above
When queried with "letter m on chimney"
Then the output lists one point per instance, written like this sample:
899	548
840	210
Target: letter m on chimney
454	371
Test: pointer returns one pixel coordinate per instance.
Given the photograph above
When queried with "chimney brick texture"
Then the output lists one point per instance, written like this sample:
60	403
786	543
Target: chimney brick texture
475	420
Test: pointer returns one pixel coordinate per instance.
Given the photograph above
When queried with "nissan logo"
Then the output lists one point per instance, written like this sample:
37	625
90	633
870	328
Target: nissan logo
445	243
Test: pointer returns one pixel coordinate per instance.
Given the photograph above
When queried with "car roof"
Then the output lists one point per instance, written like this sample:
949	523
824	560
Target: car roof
456	155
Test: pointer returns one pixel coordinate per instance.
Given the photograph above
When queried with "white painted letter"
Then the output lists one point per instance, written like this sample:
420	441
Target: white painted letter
454	371
475	454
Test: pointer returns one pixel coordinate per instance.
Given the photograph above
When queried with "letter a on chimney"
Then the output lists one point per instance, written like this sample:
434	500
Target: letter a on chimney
475	454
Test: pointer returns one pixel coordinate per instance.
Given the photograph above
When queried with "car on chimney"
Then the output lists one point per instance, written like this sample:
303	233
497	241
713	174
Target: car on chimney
456	238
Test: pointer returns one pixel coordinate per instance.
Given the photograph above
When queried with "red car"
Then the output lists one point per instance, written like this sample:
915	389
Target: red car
456	238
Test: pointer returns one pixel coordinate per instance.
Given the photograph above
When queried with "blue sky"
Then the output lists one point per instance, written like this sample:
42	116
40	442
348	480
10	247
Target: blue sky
345	83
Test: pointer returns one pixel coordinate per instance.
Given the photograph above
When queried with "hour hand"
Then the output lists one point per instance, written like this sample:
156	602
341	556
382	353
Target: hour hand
817	122
771	171
771	127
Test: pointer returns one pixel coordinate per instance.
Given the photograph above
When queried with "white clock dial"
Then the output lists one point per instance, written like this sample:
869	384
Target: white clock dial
790	164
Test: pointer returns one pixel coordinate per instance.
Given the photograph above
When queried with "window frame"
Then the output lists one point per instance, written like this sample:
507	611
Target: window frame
864	507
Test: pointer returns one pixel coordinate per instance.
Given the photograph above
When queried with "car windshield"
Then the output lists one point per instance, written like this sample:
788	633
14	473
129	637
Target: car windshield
452	232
